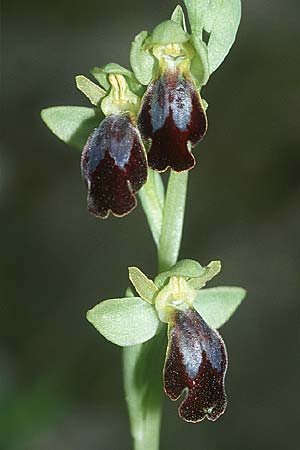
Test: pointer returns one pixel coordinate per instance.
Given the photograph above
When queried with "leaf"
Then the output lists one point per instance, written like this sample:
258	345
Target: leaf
124	321
187	268
209	272
196	11
178	17
217	305
72	124
143	285
222	22
91	90
141	60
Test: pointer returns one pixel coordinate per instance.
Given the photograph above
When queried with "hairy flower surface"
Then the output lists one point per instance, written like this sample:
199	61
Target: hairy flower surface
171	116
114	166
196	359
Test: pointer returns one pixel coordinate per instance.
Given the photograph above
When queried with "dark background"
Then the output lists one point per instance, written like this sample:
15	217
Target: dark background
61	386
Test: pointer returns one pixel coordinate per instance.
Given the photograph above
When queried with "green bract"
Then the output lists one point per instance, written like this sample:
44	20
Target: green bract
178	17
131	320
219	18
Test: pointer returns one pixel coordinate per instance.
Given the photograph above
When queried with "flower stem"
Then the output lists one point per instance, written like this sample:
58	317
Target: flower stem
173	218
143	364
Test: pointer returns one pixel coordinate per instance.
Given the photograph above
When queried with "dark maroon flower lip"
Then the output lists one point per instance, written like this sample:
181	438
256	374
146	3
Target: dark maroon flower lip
196	362
172	116
114	166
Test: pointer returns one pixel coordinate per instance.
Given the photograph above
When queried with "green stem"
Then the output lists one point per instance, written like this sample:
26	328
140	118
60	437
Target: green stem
143	364
173	218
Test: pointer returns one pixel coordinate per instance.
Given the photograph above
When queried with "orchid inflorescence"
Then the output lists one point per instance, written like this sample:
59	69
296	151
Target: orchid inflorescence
149	119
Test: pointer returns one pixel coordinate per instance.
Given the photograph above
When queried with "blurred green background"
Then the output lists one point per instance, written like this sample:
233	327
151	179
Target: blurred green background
60	382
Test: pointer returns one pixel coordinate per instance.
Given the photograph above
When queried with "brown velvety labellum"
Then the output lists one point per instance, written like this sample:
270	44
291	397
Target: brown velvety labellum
114	166
171	116
197	361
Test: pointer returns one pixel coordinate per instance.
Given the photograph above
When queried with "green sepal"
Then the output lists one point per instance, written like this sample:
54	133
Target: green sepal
101	75
221	20
91	90
178	17
196	13
142	61
216	305
187	268
167	32
199	64
124	321
209	272
143	285
72	124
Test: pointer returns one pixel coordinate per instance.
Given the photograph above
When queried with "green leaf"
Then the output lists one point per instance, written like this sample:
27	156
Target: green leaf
187	268
124	321
222	22
93	92
217	305
72	124
166	33
152	199
200	65
143	285
178	17
142	61
209	272
196	11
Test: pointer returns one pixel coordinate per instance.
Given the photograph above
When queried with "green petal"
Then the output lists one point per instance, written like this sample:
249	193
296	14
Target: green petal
178	17
93	92
222	22
142	61
124	321
200	65
217	305
187	268
209	272
72	124
143	285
